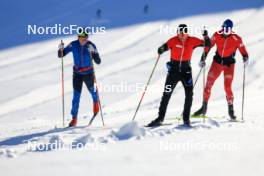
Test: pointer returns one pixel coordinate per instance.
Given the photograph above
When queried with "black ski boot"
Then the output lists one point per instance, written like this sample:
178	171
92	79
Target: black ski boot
186	123
202	110
231	112
157	122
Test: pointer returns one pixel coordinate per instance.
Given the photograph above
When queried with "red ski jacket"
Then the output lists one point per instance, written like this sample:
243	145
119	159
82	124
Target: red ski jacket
227	46
182	50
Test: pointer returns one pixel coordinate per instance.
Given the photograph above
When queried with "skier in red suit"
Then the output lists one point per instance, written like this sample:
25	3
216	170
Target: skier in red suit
227	43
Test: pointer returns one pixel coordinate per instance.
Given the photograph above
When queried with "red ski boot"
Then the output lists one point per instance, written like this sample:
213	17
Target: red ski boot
73	122
95	108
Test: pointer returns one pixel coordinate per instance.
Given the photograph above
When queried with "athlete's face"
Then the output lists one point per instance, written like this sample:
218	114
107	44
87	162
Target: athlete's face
82	40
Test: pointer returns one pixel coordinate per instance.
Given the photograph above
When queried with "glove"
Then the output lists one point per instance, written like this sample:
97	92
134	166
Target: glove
91	48
61	46
202	63
162	49
245	60
169	65
205	33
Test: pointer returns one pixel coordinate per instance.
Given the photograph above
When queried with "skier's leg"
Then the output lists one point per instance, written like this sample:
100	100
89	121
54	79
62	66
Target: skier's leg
77	89
213	74
89	81
170	84
228	79
187	82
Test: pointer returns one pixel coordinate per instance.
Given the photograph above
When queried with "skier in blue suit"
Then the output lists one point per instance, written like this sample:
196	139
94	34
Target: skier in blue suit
83	52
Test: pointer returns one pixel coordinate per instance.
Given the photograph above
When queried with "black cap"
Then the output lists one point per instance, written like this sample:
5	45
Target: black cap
182	29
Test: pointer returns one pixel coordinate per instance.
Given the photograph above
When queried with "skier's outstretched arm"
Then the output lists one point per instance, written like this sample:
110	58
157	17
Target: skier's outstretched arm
207	47
242	49
65	50
207	44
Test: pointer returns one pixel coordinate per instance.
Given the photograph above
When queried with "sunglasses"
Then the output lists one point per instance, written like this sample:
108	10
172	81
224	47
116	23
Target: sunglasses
84	35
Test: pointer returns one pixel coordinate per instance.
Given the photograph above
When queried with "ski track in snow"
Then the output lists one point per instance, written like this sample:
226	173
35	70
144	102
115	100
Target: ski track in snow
82	135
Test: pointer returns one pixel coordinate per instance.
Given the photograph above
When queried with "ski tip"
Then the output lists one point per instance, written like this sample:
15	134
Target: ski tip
236	120
198	116
156	126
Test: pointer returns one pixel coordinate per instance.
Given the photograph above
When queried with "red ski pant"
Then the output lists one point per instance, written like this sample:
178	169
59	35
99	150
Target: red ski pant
214	72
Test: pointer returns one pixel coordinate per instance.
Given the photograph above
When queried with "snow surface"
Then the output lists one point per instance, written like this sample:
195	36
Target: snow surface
30	106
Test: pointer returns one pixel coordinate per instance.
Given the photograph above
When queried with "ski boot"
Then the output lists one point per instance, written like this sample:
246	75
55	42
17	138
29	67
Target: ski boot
202	110
231	112
157	122
186	123
73	122
96	108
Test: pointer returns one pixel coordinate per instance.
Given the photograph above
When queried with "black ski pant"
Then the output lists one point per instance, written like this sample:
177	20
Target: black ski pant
176	74
77	83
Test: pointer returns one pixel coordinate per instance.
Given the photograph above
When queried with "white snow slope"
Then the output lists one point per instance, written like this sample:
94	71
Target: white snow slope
30	109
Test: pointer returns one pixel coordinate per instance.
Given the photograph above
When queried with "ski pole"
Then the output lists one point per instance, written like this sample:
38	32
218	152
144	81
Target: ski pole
99	101
97	92
62	87
146	87
204	72
197	77
203	87
243	92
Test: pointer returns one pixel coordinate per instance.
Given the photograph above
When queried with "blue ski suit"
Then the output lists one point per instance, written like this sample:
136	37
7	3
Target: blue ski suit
83	71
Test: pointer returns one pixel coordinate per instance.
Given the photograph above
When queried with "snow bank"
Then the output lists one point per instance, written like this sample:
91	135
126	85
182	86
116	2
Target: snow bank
128	131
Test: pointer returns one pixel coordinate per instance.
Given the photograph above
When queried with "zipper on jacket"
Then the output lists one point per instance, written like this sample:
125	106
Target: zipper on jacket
223	50
82	57
181	55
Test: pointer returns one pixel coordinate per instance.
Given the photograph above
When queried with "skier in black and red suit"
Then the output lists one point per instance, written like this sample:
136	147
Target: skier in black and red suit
179	69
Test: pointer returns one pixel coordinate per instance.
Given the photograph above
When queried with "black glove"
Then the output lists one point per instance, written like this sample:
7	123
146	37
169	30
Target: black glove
245	59
162	49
